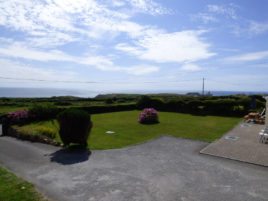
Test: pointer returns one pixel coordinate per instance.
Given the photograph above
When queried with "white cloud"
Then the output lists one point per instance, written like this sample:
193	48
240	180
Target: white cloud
178	47
226	10
213	13
204	17
141	69
99	62
23	52
249	28
118	3
20	51
129	49
19	70
191	67
58	22
258	27
149	6
47	24
253	56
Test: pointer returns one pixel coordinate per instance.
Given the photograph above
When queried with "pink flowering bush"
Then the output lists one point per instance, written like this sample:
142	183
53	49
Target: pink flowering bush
18	117
148	116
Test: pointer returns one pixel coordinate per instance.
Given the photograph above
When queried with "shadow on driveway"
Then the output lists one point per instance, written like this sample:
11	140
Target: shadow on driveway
71	155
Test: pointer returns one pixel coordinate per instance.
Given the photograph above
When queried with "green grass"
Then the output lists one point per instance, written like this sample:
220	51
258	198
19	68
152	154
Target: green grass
13	188
128	131
6	109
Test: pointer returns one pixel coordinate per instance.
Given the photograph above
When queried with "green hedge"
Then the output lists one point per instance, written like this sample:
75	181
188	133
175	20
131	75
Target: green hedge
44	111
222	106
48	111
108	108
75	126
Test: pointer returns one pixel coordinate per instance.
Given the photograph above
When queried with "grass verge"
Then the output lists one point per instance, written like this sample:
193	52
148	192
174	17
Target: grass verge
13	188
127	130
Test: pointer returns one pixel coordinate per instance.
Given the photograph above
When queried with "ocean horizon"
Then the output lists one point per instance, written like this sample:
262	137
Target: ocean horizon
15	92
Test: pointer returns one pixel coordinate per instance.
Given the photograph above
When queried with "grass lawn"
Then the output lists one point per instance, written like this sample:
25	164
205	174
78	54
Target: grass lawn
128	131
6	109
13	188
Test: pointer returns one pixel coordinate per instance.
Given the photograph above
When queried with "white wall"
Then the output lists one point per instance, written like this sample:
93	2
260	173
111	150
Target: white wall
266	112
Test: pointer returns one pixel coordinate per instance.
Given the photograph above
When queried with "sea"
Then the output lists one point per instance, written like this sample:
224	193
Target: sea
12	92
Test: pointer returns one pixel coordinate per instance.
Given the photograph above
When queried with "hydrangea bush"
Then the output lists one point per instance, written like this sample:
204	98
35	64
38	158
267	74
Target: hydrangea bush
148	116
19	117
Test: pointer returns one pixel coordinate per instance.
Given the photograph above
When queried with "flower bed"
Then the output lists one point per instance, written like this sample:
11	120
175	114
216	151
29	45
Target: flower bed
19	117
148	116
13	132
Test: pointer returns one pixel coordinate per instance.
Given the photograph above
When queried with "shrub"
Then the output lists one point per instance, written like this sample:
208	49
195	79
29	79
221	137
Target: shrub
157	103
75	126
62	103
44	111
109	101
18	117
148	102
144	102
148	116
108	108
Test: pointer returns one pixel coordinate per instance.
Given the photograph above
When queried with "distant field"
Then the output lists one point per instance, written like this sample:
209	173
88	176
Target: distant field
6	109
128	131
13	188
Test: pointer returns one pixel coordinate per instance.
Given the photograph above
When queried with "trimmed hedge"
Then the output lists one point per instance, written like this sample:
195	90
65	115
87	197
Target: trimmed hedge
222	106
75	126
44	111
108	108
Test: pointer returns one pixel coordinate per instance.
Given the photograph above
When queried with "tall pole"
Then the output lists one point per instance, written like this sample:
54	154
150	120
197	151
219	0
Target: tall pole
203	87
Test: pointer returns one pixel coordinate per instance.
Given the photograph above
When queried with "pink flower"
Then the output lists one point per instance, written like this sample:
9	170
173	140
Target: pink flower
18	116
148	116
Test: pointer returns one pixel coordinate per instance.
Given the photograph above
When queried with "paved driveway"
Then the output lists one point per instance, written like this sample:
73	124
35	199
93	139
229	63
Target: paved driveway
165	169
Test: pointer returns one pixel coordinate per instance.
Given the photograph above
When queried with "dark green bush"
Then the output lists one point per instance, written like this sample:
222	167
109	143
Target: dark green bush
144	102
175	105
108	108
75	126
62	103
109	101
44	111
148	102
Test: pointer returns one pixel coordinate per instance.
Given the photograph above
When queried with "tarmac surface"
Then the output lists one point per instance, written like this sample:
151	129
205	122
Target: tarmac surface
164	169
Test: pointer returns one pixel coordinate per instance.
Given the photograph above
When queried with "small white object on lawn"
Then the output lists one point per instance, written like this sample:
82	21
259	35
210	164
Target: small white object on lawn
109	132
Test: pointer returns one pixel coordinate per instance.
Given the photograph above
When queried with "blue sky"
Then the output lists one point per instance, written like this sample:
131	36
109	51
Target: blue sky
117	45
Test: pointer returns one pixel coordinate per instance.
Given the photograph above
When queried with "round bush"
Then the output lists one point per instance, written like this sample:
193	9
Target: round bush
75	126
148	116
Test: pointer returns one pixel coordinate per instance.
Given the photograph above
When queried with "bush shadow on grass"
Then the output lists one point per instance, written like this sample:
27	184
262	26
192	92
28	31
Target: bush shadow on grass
71	155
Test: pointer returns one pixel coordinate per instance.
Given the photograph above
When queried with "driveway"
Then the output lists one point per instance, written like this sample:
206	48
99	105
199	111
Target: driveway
165	169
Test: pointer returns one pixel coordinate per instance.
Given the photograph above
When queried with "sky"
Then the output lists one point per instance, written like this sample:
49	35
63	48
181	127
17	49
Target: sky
131	45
